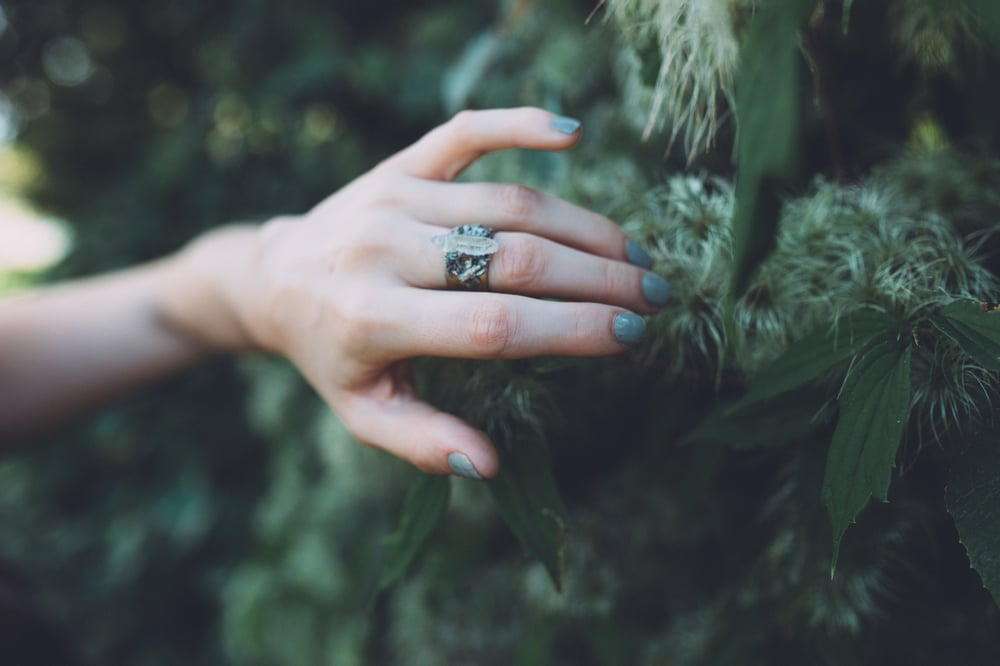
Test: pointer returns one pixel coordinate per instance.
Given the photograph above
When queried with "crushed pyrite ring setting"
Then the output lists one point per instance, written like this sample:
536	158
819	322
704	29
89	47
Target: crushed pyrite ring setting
467	252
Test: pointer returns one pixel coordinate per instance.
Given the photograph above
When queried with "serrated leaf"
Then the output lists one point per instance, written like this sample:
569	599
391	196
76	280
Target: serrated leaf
423	508
769	107
975	331
816	354
528	499
874	406
972	497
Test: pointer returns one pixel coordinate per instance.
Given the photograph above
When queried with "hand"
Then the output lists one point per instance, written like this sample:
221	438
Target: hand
355	288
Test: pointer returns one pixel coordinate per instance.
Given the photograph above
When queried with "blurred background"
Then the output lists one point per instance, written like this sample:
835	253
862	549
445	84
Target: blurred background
225	517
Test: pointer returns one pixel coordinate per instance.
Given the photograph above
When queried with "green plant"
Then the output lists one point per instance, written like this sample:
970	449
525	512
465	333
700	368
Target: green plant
831	338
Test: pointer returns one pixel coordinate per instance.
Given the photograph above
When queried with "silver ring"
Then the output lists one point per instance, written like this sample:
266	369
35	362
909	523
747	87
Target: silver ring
467	252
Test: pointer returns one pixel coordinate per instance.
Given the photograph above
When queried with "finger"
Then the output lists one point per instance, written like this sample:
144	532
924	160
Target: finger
533	266
433	441
447	150
490	326
512	207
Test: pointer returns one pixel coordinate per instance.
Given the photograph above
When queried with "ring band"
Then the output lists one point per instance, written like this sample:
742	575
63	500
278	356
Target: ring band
467	252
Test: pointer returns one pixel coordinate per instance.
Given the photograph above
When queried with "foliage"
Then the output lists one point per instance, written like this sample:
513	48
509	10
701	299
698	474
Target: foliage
687	53
836	344
875	402
972	498
769	103
424	505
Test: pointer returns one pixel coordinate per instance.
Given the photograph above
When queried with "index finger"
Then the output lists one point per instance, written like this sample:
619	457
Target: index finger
447	150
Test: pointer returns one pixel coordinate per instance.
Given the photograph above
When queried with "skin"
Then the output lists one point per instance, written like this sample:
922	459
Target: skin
348	292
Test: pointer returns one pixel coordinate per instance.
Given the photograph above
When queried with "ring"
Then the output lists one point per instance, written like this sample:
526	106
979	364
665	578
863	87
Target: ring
467	252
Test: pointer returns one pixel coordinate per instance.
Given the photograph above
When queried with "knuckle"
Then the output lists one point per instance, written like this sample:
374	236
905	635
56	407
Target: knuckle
493	328
379	187
385	191
590	330
276	228
353	255
617	281
522	264
592	326
519	201
461	123
354	325
361	246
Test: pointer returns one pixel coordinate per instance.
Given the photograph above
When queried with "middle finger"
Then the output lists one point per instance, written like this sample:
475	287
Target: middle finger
534	266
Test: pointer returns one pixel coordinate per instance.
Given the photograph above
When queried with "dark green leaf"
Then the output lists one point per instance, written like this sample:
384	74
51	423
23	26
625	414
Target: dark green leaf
423	509
975	331
772	422
529	501
874	407
973	498
816	354
986	18
769	108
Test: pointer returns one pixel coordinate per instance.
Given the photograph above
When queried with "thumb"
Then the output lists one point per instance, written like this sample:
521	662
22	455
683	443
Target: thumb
434	441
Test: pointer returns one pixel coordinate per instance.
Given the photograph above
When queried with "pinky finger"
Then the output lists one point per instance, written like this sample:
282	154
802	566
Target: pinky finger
432	440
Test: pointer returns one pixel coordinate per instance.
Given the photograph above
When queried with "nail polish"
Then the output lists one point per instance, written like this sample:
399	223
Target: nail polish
565	124
629	328
462	466
637	255
656	290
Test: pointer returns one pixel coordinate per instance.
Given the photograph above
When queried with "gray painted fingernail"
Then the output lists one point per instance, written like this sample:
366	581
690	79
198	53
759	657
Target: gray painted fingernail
637	256
565	124
461	465
655	289
629	328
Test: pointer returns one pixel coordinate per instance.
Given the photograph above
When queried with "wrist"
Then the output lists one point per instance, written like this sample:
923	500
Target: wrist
207	295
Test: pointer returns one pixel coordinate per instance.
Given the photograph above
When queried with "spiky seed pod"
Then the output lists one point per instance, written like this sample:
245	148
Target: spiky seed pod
930	34
682	63
837	250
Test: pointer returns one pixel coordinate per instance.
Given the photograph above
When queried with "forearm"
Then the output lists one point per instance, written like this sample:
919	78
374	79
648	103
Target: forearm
67	348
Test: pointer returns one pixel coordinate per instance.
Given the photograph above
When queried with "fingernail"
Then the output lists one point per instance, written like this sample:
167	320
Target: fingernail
629	328
462	466
655	289
565	124
637	255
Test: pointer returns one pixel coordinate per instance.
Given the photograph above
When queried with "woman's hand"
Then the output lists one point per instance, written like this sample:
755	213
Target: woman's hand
355	288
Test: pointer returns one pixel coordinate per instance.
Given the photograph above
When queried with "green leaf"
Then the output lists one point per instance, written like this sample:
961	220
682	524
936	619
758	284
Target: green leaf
874	407
527	497
816	354
423	508
975	331
770	104
769	423
972	498
986	18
